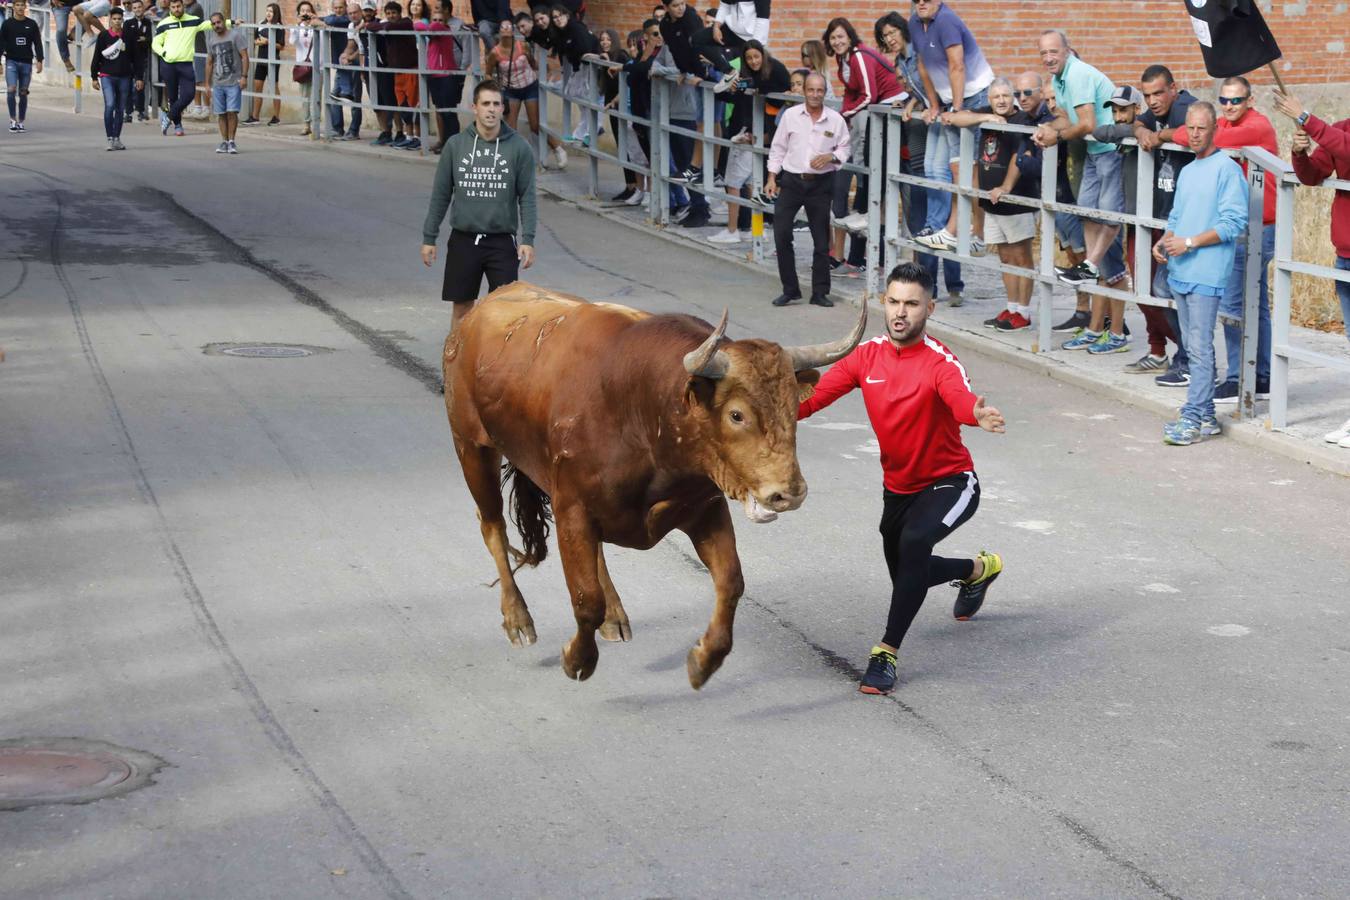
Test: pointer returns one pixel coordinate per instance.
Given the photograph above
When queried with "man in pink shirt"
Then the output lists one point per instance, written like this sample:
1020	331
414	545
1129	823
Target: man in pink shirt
807	150
1242	125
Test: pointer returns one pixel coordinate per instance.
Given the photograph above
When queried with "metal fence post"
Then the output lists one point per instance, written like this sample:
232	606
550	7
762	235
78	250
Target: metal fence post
318	84
1045	290
592	118
567	77
621	139
876	188
541	60
1279	315
79	66
892	193
660	152
757	164
965	175
1251	292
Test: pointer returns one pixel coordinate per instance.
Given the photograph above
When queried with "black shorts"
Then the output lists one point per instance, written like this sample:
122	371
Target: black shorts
384	82
260	73
469	256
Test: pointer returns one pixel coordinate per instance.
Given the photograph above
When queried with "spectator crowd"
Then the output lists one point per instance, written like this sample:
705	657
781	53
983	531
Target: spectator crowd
927	63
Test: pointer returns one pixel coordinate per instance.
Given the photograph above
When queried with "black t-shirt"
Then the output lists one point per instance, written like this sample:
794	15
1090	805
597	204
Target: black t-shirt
1167	164
22	39
1233	36
993	156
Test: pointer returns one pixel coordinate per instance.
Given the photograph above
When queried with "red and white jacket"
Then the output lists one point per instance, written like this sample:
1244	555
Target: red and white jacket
870	80
1330	158
917	398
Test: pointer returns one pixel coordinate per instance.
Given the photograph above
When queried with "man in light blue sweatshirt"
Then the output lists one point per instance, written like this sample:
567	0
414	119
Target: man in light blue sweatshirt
1207	219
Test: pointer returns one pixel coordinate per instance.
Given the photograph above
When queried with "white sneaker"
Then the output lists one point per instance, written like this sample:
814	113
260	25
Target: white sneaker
224	147
856	222
717	209
977	247
725	237
636	199
560	157
1340	435
728	80
747	235
938	240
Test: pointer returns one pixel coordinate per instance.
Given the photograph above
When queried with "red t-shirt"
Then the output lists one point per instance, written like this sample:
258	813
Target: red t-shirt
917	398
1252	130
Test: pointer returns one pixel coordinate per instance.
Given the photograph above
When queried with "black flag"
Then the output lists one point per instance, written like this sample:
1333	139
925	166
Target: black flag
1233	37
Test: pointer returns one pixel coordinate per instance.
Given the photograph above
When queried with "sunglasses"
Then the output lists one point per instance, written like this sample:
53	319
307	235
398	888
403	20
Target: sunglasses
1234	101
1024	93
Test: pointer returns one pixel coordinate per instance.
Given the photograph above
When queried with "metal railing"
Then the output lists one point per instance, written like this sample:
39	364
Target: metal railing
887	236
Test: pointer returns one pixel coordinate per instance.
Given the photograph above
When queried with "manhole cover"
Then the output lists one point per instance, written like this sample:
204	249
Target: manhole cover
37	771
261	350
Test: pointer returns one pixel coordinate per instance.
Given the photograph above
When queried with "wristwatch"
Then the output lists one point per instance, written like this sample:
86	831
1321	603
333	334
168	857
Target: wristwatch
1303	118
1190	244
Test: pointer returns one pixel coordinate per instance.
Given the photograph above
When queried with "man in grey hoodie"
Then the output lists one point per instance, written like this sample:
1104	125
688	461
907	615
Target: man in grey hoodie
487	171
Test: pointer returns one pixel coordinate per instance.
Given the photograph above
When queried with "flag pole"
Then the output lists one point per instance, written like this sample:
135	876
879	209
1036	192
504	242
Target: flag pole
1278	80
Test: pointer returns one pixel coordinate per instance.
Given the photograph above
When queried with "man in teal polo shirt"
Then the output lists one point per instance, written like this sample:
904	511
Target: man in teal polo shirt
1082	96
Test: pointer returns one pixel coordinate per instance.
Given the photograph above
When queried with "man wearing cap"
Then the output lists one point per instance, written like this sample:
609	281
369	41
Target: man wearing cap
811	143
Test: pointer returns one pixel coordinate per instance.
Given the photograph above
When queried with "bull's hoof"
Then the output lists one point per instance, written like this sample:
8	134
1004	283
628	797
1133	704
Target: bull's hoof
617	629
575	665
520	632
701	665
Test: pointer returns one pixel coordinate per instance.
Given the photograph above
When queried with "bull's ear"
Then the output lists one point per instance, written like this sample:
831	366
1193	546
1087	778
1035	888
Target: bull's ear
806	384
699	391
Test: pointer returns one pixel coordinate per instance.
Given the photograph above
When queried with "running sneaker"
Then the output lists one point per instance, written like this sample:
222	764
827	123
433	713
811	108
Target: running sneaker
728	81
274	121
880	675
636	198
224	147
623	195
977	247
1083	273
413	143
954	299
110	148
382	139
22	128
1110	342
1073	323
1226	392
13	126
688	176
857	222
848	270
251	120
970	594
1082	340
937	240
1014	322
559	157
118	145
232	148
1148	364
1186	431
1176	376
399	142
164	122
178	131
725	237
993	323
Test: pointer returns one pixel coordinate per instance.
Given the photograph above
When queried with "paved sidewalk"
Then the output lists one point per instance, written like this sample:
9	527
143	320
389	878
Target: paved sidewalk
1319	398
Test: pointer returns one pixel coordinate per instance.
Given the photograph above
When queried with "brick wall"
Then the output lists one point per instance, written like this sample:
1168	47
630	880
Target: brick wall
1120	37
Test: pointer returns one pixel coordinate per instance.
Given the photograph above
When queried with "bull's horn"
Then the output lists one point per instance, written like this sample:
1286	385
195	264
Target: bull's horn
814	356
707	360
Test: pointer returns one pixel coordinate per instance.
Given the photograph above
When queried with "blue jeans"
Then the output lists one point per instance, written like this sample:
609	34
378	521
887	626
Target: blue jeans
936	206
682	156
17	77
1343	292
1232	307
62	14
349	85
116	92
1198	314
1162	289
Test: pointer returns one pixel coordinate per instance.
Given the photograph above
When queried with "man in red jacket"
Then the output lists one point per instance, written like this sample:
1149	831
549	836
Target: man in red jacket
1331	158
917	398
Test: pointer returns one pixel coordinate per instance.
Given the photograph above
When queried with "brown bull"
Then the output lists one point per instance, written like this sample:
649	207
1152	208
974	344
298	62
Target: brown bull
632	425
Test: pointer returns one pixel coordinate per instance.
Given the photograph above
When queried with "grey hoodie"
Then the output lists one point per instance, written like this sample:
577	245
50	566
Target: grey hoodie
491	183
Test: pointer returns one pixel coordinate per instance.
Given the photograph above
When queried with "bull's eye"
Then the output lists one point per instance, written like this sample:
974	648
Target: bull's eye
737	417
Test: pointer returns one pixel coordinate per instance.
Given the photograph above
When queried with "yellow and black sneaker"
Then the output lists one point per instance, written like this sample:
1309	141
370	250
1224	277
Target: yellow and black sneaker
971	594
880	676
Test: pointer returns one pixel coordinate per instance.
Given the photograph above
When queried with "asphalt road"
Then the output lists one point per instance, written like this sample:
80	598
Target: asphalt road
269	573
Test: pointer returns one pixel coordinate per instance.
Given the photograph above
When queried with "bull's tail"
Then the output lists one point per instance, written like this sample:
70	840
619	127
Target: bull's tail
532	510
